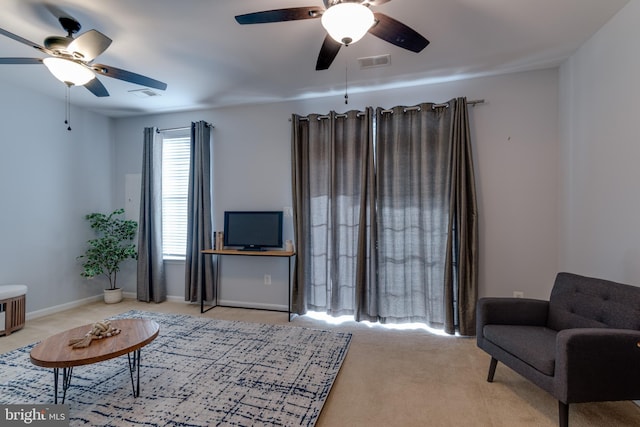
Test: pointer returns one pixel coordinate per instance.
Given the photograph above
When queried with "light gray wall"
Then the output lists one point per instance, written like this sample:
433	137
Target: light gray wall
555	153
49	179
515	137
600	152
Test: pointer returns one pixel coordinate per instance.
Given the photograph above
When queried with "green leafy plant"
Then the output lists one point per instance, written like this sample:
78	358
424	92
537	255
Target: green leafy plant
113	245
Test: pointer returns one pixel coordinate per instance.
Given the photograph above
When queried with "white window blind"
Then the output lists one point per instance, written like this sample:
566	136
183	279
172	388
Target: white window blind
175	182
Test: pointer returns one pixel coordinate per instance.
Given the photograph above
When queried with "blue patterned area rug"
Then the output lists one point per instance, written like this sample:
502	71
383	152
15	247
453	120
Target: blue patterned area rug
198	372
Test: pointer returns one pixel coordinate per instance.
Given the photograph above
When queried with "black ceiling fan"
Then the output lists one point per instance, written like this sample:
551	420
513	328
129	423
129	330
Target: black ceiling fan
383	27
81	50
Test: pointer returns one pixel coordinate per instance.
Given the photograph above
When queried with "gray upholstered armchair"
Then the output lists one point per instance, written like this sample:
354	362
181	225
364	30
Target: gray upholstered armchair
583	345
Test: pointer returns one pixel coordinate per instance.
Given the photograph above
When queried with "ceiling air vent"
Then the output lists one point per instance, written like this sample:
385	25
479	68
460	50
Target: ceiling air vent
143	93
374	61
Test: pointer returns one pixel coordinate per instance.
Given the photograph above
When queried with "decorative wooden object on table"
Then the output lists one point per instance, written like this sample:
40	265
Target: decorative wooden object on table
99	330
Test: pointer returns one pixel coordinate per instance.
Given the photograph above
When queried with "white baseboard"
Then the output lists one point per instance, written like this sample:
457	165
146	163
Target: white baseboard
177	299
172	298
637	402
129	295
73	304
62	307
132	295
261	306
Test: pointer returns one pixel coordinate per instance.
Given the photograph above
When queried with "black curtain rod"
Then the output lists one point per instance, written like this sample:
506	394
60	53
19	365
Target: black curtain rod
178	129
473	103
417	108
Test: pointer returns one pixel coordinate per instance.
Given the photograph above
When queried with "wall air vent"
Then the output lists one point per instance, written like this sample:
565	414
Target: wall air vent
374	61
143	93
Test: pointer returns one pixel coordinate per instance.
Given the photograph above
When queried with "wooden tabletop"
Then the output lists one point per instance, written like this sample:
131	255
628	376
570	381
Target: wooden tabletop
55	351
248	253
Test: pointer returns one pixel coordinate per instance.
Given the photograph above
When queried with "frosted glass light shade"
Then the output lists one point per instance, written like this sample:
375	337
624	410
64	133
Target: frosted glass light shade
69	72
347	23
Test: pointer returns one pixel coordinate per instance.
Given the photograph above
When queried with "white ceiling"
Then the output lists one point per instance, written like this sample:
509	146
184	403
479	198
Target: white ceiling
208	60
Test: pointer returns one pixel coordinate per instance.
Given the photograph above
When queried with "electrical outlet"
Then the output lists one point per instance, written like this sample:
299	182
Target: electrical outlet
518	294
288	211
267	279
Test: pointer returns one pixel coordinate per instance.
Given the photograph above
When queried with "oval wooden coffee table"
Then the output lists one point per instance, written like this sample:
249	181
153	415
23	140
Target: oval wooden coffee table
55	351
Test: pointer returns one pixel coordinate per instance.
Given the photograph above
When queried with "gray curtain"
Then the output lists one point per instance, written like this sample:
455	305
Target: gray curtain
461	275
331	164
391	238
151	284
426	218
199	269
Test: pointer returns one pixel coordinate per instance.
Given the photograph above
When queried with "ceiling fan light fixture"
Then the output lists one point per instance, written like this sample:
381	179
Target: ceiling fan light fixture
69	72
347	23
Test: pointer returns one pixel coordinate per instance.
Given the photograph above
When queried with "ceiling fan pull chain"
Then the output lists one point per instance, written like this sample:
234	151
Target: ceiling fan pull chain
67	105
346	85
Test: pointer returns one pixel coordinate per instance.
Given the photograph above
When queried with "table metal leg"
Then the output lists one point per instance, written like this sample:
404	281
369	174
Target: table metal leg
289	305
134	366
216	289
66	381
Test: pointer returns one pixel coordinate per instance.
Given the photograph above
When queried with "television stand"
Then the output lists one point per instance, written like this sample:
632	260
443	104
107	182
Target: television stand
252	249
244	252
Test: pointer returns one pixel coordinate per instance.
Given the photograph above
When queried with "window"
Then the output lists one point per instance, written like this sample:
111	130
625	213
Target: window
175	184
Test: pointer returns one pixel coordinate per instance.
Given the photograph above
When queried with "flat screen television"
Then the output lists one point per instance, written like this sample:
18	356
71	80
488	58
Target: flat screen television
253	230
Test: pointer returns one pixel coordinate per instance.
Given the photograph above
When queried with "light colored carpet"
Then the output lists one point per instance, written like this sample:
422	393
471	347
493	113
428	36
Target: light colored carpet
198	372
389	378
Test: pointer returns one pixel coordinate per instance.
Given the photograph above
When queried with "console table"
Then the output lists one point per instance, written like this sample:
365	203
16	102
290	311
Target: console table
235	252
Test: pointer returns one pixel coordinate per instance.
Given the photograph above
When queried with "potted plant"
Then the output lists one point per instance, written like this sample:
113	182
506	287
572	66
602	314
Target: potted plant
114	244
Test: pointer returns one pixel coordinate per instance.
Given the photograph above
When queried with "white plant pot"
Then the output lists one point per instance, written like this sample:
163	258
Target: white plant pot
112	296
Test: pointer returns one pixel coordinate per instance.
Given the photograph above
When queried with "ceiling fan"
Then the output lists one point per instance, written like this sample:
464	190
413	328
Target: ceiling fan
346	21
70	59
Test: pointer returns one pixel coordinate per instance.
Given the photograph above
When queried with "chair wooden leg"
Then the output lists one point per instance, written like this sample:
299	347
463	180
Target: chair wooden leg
492	369
563	414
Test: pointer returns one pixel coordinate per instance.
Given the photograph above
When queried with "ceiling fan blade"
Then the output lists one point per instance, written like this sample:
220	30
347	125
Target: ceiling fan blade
20	61
127	76
97	88
89	45
22	40
328	52
280	15
395	32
